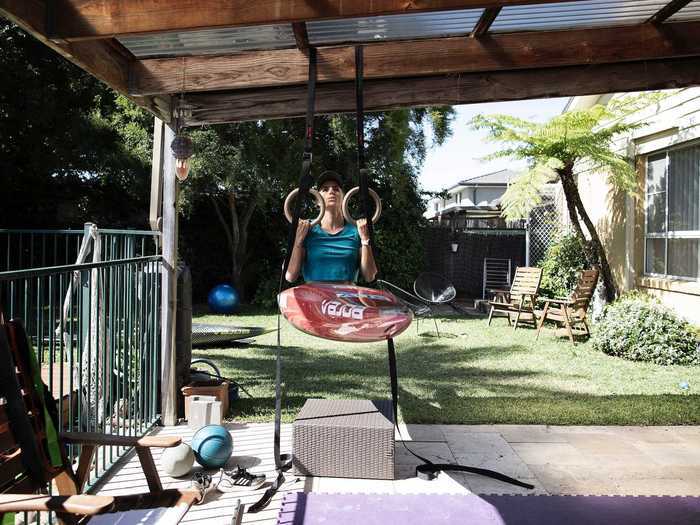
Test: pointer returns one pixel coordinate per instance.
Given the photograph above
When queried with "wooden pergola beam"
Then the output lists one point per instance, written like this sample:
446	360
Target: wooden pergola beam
81	19
105	60
100	59
282	102
668	11
487	18
430	57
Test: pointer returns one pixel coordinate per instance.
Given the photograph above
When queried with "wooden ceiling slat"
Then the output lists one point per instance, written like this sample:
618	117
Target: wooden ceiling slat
418	58
282	102
79	19
668	11
484	23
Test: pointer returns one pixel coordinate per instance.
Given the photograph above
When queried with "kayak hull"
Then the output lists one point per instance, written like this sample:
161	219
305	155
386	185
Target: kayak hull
344	312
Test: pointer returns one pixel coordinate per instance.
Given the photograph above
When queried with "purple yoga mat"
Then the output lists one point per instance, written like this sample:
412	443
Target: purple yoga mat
426	509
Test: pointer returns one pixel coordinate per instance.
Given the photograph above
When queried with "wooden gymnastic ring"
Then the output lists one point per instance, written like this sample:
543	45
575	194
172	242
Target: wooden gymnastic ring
319	200
375	198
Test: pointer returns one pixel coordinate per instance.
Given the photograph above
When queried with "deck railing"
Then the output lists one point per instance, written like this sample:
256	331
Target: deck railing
24	249
95	327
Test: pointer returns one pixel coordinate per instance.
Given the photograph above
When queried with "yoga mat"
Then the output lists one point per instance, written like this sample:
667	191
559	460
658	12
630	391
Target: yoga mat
426	509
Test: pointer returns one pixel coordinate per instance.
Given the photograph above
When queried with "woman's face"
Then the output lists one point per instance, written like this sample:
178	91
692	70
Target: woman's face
331	193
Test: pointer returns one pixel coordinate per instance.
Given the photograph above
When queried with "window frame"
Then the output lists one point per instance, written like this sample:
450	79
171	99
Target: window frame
666	235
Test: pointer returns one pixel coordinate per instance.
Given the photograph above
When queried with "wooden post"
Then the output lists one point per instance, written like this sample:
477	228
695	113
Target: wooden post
169	284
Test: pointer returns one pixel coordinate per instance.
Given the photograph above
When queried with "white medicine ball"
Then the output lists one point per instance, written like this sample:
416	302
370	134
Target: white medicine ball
177	461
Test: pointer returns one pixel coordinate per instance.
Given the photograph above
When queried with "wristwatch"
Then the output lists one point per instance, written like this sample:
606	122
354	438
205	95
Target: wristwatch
364	242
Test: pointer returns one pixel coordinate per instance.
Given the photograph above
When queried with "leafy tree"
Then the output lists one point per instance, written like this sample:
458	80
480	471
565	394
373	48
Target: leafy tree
554	149
239	169
65	152
245	170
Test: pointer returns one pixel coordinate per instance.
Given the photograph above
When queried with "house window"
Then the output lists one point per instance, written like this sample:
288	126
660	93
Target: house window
672	244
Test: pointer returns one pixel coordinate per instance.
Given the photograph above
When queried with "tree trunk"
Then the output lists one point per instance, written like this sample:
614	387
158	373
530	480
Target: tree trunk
595	253
232	236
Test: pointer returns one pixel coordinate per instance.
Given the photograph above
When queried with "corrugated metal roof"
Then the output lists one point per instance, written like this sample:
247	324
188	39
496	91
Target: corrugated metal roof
584	13
393	27
576	14
689	12
210	41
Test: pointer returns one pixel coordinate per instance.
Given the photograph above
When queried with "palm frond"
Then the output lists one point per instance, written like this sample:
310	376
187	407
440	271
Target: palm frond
524	193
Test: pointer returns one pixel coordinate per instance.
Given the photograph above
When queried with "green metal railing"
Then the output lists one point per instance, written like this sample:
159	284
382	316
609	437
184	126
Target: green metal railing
95	327
25	249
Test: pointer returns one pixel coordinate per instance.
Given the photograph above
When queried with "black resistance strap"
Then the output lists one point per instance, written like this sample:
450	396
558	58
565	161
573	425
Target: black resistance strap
363	174
428	470
283	462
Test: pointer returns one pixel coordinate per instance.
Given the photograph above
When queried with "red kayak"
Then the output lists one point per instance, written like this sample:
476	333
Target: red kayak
343	312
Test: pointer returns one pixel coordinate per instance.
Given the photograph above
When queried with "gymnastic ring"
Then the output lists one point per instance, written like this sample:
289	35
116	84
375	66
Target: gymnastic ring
375	198
319	200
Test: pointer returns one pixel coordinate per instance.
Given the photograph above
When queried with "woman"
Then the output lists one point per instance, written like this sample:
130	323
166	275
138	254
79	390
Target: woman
332	250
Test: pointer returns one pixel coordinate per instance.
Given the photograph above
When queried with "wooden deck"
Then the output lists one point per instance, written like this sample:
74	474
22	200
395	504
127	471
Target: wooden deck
557	460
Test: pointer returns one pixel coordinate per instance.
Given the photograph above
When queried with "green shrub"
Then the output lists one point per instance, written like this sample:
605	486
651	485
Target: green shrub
560	266
639	328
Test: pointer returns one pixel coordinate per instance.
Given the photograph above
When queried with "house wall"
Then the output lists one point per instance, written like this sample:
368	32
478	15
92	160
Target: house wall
620	218
470	196
485	196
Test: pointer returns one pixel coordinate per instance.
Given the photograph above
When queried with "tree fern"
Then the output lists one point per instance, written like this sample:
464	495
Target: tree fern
579	138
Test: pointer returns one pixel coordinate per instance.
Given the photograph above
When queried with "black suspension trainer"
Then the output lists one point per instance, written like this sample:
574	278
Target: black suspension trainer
283	462
428	470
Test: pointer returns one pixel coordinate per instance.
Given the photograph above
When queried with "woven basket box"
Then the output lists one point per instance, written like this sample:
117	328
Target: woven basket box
344	438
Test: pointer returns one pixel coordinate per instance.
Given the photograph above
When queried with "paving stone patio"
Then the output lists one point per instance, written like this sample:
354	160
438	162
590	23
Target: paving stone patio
556	460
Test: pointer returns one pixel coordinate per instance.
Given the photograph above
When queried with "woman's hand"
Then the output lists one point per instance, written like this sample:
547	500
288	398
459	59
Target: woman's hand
302	230
363	229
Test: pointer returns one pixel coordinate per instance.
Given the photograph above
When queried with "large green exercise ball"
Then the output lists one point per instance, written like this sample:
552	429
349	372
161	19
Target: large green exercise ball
212	446
223	299
177	461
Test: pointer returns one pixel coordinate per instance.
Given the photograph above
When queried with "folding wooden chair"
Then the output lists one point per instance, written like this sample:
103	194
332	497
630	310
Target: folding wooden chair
33	453
520	299
571	312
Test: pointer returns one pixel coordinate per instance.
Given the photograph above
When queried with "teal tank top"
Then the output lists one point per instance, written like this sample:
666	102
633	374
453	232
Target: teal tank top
332	257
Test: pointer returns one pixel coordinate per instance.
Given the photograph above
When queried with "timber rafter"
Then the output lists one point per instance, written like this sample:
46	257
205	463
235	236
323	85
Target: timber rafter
283	102
86	19
399	73
106	60
418	58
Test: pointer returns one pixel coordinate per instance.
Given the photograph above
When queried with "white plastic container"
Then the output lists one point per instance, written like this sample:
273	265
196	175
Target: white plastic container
204	410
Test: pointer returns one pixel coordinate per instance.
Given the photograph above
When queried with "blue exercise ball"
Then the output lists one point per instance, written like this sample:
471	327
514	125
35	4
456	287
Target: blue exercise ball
223	299
212	446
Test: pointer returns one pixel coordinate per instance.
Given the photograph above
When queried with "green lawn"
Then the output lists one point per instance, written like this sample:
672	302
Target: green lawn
473	375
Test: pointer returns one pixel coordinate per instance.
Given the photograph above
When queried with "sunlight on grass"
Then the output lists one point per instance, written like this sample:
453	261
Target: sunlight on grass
472	375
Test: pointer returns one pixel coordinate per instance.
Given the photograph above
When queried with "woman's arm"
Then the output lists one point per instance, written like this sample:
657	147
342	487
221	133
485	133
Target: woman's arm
368	266
296	261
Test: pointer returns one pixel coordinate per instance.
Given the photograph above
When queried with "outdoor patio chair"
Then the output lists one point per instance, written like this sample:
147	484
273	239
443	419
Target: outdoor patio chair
521	299
571	312
431	290
33	454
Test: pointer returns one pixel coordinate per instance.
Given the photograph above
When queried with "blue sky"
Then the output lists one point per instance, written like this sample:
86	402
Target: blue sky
459	157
